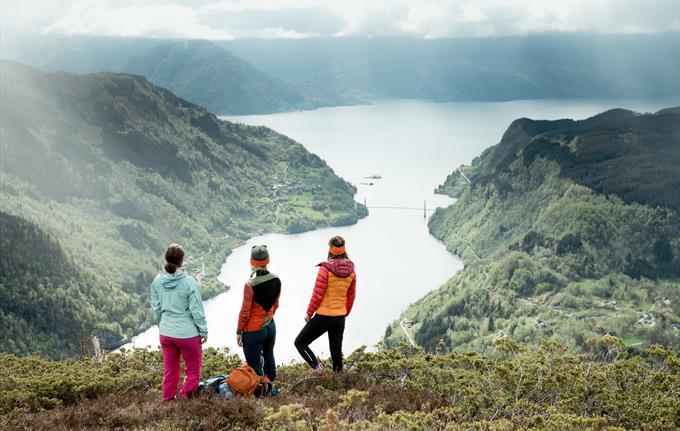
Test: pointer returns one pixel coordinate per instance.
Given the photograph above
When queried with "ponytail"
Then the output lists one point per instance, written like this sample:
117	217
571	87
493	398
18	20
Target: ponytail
174	257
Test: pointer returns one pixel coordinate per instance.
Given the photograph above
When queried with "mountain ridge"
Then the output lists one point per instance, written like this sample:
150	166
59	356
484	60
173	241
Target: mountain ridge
213	77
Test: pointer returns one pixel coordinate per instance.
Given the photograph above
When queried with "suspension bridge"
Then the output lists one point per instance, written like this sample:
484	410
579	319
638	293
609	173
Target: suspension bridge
424	208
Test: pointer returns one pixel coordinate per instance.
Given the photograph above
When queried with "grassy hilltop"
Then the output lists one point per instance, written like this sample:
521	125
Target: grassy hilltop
399	389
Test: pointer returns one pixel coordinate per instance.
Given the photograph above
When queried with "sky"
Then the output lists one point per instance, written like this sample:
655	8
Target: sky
255	19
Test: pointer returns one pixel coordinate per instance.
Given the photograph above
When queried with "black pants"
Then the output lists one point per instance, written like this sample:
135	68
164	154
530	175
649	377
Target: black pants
259	345
335	326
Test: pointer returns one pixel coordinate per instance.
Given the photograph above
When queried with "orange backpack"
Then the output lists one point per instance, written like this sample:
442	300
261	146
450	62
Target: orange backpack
243	381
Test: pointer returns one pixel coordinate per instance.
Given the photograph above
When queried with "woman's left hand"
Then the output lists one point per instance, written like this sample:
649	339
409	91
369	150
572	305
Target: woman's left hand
239	340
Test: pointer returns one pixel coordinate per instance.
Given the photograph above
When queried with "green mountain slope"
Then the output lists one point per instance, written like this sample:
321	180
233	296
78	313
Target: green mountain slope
114	168
570	229
211	76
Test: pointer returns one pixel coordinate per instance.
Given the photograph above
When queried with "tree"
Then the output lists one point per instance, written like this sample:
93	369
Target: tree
662	251
569	243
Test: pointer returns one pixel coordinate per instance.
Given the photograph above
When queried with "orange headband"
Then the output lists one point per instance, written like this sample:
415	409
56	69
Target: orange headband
254	262
337	250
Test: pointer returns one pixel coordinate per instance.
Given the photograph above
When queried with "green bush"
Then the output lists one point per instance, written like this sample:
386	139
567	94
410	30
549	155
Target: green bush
402	388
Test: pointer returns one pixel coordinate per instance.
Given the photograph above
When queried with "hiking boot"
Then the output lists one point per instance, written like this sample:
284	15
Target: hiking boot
318	368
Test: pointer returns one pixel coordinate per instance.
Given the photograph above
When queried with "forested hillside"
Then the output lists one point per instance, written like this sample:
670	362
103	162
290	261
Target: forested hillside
211	76
108	169
570	229
42	292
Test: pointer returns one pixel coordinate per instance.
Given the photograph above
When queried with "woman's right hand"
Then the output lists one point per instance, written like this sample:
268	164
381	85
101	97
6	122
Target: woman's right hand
204	340
308	317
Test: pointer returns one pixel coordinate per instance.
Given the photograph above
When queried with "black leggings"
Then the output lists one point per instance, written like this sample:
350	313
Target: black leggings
335	326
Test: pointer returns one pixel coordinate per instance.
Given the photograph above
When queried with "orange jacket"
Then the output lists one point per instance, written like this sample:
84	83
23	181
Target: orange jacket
260	301
334	290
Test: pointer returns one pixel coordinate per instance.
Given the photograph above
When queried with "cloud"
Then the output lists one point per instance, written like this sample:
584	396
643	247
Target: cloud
226	19
290	23
158	20
104	18
519	17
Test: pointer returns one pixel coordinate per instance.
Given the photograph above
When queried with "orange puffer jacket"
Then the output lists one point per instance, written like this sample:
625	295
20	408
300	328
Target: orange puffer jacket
334	290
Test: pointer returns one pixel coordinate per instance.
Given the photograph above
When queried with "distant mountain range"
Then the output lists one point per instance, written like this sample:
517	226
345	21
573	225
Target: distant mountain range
473	69
216	79
569	230
101	171
257	76
199	71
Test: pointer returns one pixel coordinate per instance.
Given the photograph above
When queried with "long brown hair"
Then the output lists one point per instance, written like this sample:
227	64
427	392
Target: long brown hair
174	257
337	241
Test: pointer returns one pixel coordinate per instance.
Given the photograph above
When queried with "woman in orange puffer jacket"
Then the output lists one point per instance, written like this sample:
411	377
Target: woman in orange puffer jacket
332	300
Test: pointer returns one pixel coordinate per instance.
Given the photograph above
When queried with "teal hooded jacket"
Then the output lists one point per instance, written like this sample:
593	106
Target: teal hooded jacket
177	305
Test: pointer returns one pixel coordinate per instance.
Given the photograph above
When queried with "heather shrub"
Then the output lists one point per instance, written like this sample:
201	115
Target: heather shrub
402	388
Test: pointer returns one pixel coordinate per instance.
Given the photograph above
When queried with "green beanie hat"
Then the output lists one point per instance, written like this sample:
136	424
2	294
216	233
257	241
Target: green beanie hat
259	255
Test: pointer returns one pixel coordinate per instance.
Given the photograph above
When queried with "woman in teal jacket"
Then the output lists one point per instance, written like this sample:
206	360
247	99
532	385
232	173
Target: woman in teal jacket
178	308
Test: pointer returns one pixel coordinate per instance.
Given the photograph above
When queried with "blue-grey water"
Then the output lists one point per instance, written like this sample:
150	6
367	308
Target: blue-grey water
413	146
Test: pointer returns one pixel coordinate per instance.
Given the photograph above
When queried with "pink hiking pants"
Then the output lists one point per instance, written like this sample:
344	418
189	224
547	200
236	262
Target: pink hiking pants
190	349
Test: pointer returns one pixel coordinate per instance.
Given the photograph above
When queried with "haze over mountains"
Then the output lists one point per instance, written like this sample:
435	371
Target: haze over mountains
198	71
473	69
304	73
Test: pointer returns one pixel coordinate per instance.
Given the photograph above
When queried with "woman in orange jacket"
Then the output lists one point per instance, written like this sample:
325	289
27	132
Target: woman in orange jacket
256	330
332	300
